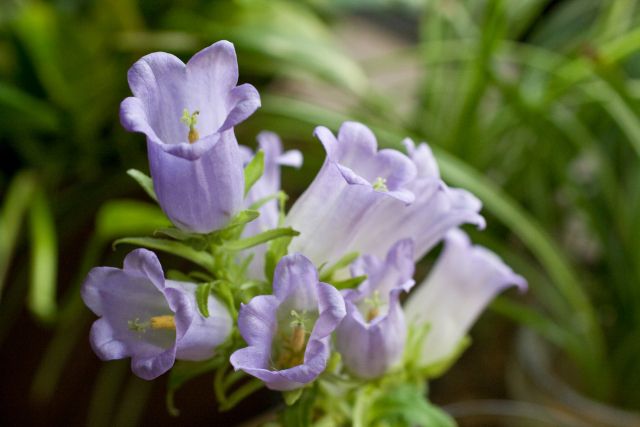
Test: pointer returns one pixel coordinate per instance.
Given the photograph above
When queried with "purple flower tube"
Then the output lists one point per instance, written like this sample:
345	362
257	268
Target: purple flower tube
463	281
152	320
288	332
187	113
372	336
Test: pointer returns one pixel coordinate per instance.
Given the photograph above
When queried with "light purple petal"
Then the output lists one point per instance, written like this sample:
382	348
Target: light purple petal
371	348
244	100
134	294
199	195
199	185
343	198
199	339
296	287
463	281
296	280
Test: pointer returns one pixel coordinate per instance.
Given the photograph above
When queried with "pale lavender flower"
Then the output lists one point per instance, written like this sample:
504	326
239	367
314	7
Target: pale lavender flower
372	336
268	185
436	210
364	201
288	332
354	180
187	113
463	281
152	320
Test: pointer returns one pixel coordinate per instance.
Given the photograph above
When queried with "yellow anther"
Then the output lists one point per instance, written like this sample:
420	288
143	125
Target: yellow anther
162	322
191	120
373	313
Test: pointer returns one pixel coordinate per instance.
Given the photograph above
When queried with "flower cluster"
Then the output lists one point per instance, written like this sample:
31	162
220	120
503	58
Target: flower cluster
294	297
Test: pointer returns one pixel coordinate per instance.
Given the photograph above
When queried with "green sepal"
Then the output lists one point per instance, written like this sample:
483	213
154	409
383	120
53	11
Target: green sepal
253	171
145	182
350	283
413	353
404	404
203	259
243	217
343	262
202	298
258	239
300	413
439	367
292	396
277	249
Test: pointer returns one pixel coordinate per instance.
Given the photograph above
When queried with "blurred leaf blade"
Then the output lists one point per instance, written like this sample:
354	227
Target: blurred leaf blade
44	260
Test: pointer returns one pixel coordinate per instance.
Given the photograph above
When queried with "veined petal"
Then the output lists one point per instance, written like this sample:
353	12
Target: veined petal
187	112
354	181
276	327
372	336
199	195
463	281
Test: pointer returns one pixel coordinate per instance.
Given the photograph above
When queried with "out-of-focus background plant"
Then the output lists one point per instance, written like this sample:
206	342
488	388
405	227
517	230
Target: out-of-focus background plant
533	105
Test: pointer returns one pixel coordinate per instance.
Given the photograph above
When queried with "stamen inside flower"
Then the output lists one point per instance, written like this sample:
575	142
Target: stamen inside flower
191	120
380	184
290	352
156	322
163	322
374	304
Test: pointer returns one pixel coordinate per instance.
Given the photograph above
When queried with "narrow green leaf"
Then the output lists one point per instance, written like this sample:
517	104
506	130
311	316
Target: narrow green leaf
145	182
343	262
202	259
16	202
44	260
249	242
253	171
280	195
202	298
243	217
349	283
118	218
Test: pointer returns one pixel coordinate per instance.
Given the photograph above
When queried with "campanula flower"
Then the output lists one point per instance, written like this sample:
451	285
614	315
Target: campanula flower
268	185
187	112
436	210
463	281
152	320
364	200
288	332
355	179
372	336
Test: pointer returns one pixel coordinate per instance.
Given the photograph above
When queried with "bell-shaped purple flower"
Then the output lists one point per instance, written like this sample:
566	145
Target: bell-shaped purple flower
436	210
364	200
187	113
152	320
268	185
288	332
355	180
463	281
372	336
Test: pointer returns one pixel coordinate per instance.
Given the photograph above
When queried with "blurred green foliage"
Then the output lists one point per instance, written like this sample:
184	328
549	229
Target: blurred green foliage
533	105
